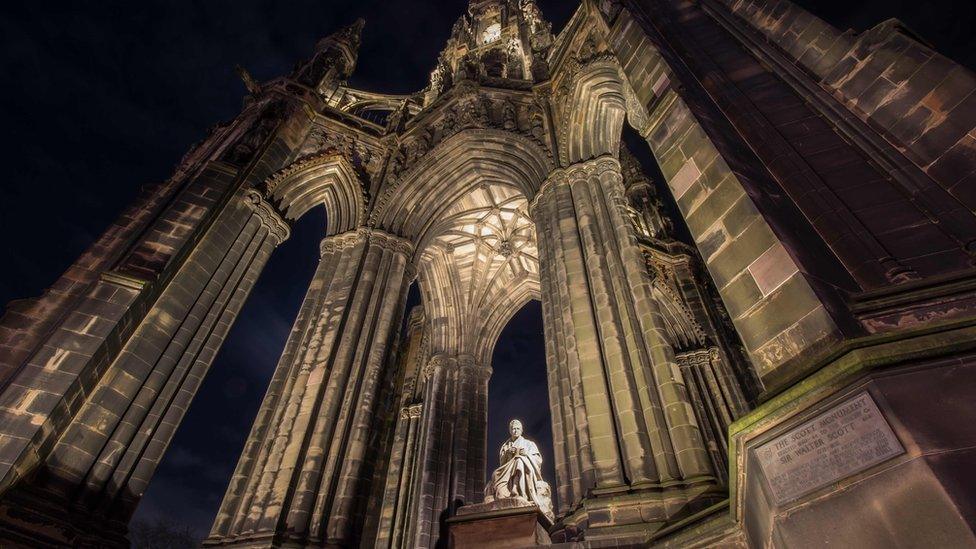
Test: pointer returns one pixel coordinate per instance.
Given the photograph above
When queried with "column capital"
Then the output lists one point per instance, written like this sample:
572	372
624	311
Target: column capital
437	362
390	241
268	214
378	237
598	167
468	366
465	366
339	242
601	167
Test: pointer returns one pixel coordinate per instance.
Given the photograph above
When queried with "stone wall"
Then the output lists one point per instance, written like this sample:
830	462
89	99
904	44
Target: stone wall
915	97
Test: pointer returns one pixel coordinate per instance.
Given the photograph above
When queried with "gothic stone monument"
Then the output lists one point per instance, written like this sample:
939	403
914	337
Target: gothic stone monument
799	370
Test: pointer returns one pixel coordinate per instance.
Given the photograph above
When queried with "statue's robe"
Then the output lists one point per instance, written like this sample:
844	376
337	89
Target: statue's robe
520	475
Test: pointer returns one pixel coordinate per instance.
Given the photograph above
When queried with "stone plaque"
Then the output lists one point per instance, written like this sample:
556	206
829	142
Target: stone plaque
844	440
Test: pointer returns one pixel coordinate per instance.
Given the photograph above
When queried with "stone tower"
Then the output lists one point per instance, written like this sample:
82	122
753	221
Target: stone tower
802	357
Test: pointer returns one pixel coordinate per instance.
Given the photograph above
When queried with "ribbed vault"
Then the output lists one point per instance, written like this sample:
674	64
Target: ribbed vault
479	268
452	170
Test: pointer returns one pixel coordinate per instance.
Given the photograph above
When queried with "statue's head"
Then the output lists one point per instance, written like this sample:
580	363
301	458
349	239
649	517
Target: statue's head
515	428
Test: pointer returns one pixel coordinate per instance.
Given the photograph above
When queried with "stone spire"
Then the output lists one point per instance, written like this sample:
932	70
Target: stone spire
499	41
334	60
647	208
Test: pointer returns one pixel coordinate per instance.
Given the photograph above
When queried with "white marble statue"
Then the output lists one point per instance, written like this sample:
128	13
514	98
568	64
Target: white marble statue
520	472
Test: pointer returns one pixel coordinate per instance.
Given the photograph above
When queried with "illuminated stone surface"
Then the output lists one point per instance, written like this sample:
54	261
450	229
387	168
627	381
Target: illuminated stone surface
825	180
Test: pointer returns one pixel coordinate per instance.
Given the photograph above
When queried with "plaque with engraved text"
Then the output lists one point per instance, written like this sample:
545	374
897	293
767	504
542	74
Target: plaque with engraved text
846	439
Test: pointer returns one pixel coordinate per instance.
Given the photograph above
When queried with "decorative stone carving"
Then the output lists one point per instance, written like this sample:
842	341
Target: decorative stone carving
390	241
411	411
262	125
436	362
331	139
335	243
604	166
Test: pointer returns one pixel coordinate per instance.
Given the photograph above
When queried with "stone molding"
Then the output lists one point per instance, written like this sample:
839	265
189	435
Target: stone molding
468	367
390	241
465	365
339	242
383	239
275	179
435	363
269	215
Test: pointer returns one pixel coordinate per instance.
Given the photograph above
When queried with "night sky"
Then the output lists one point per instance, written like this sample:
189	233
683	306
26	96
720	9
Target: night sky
100	98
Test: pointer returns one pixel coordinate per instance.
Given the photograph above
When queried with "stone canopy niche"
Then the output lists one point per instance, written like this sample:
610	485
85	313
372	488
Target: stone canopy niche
803	357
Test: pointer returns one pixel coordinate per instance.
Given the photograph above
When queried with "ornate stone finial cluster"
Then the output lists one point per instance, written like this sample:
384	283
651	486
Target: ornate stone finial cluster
646	207
498	41
333	62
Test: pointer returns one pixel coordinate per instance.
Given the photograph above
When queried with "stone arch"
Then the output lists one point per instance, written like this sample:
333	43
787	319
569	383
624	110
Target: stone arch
508	302
326	178
594	112
478	266
419	200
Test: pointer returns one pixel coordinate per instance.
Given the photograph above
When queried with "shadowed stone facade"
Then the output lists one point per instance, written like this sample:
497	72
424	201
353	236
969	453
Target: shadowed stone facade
825	179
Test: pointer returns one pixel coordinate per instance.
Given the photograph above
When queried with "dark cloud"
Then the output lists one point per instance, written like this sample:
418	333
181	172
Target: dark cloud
100	98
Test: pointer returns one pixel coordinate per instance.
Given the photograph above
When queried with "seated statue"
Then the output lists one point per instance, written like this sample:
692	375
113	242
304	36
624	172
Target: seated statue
520	473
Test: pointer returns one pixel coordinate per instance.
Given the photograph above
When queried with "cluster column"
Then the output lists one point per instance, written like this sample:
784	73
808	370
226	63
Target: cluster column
302	476
450	468
103	461
621	412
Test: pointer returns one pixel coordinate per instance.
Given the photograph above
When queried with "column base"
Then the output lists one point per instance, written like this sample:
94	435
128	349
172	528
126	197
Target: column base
633	514
35	520
871	451
501	524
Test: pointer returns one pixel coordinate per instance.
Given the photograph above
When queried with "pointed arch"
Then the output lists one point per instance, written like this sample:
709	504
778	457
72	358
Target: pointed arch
594	112
451	170
682	330
478	267
326	179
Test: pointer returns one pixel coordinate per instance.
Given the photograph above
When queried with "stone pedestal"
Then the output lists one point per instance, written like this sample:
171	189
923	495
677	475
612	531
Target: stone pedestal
501	524
877	462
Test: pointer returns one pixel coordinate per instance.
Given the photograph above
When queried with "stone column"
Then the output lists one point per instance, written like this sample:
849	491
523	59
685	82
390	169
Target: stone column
104	460
390	512
450	467
621	411
302	477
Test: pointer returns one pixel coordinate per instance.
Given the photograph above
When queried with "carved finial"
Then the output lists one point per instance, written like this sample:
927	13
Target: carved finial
350	35
252	86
